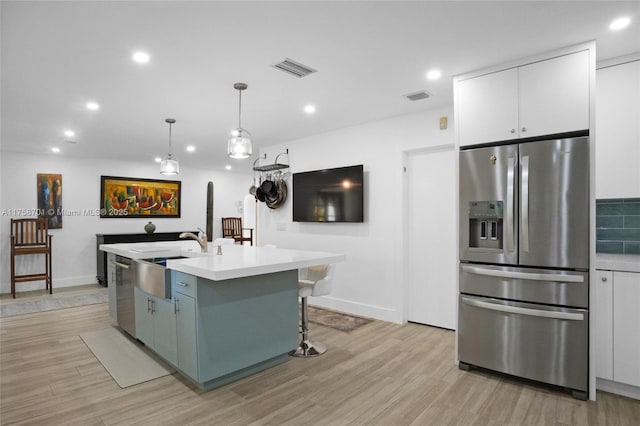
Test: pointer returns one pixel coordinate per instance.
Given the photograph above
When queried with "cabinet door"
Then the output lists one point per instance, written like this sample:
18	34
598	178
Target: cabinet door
488	107
186	334
626	331
618	132
164	329
111	286
604	324
554	95
144	318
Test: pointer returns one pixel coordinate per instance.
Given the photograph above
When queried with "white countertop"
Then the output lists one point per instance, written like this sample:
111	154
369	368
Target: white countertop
618	262
157	249
235	262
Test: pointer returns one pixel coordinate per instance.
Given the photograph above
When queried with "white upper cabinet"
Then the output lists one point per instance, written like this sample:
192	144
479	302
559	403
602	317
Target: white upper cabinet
554	95
488	107
541	98
618	131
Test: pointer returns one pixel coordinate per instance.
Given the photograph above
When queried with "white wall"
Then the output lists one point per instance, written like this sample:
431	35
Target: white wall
371	281
74	246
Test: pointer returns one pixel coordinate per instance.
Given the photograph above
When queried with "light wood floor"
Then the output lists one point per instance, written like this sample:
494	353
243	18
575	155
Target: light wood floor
382	374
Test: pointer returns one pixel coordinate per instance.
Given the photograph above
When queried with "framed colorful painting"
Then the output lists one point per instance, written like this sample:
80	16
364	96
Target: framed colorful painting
122	197
49	187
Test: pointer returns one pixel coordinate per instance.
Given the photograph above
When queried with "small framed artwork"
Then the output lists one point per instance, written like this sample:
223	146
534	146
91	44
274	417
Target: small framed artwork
122	197
49	187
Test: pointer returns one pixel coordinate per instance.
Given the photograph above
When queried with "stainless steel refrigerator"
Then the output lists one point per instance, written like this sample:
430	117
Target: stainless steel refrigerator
524	261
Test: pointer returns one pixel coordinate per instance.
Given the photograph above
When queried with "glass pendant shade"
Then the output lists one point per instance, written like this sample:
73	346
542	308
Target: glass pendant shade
239	144
169	166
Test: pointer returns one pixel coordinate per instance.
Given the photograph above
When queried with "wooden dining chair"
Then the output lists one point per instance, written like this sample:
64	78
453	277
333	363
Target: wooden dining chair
30	236
232	228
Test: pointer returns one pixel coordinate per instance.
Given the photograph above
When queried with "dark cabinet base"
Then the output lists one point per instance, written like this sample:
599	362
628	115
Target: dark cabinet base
101	263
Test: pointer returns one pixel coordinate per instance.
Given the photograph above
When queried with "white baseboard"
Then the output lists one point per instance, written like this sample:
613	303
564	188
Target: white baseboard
360	309
57	283
618	388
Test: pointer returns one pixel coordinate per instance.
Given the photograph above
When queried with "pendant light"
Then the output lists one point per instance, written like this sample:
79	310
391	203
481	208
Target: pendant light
169	164
240	141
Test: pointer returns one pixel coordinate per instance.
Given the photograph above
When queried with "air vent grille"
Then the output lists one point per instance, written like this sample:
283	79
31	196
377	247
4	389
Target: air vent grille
294	68
418	95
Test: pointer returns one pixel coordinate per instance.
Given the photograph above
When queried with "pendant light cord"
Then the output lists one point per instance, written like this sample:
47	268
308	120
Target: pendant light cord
170	124
240	111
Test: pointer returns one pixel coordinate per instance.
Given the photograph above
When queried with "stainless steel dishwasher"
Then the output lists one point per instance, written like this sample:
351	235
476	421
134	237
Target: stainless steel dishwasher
124	294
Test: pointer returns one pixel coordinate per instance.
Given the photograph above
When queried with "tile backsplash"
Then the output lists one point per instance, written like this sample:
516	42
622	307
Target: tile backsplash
618	226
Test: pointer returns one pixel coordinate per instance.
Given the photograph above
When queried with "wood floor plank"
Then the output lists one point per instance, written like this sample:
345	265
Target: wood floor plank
379	374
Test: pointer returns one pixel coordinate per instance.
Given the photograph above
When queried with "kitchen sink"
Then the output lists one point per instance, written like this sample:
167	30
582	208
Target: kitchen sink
152	276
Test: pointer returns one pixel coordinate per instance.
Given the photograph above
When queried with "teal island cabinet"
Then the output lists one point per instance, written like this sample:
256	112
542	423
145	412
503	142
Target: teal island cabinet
228	315
233	328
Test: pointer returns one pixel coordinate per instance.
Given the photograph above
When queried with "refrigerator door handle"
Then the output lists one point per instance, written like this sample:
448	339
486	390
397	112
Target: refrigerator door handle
571	316
523	275
510	201
524	231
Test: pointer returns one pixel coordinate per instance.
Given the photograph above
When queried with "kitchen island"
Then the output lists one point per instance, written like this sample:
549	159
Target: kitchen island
229	315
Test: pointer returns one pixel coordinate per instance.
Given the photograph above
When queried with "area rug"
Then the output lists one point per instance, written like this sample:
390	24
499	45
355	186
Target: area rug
127	362
336	320
48	302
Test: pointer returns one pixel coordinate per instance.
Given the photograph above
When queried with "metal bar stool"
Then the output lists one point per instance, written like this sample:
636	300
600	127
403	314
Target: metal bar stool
312	281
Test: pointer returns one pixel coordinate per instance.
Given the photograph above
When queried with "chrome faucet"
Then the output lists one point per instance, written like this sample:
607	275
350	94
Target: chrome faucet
201	238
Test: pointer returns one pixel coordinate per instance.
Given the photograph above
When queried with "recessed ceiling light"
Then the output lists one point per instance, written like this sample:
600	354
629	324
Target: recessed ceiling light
157	159
69	133
228	167
310	109
55	149
93	106
141	57
434	75
619	23
191	148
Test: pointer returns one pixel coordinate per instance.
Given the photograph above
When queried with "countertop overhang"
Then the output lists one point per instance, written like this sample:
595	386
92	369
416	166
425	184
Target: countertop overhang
236	261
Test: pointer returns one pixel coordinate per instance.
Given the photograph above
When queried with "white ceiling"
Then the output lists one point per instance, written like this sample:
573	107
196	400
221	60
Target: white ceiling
56	56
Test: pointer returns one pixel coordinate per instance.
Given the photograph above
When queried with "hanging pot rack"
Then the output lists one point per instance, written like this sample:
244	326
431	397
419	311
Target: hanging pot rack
271	167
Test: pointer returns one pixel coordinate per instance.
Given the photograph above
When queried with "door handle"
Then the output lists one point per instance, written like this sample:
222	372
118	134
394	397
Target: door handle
175	306
122	265
510	200
524	231
571	316
535	276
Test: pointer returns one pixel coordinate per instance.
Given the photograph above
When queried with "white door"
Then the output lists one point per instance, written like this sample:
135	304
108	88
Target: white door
432	238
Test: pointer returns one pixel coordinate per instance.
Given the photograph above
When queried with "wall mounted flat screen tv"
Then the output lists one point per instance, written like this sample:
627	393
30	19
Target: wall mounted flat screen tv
330	195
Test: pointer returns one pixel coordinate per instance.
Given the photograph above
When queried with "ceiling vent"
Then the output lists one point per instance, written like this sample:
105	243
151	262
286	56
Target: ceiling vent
418	95
294	68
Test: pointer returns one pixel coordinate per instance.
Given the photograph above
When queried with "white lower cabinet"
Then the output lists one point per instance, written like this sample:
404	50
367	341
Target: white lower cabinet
156	324
617	325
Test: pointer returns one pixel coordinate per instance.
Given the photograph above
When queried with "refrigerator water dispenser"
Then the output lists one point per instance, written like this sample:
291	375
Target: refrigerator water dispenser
485	224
